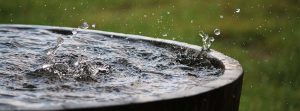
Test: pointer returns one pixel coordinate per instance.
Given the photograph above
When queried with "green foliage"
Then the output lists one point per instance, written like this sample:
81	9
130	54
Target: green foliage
264	36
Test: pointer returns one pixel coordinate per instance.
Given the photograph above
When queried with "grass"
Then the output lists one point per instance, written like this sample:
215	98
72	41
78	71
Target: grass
264	36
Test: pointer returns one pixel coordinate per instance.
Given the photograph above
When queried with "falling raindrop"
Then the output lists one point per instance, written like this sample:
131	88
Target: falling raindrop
237	10
217	31
192	21
221	16
168	13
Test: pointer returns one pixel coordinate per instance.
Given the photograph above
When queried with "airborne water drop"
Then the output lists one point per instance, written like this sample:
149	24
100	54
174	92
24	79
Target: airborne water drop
238	10
221	16
217	31
94	25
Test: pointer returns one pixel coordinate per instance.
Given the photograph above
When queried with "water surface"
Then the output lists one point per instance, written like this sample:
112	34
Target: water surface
91	68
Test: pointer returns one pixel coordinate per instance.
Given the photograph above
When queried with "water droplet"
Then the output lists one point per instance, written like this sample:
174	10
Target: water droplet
192	21
211	39
221	16
217	31
94	25
203	36
168	13
85	25
206	40
74	31
237	10
165	35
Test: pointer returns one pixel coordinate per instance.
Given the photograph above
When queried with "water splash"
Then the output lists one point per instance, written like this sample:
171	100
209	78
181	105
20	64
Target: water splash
78	65
206	41
84	25
50	53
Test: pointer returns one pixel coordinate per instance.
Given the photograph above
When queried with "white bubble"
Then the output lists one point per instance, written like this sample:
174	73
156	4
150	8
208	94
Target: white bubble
217	31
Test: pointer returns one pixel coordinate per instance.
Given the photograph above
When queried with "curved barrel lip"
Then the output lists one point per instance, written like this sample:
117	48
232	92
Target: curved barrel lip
232	70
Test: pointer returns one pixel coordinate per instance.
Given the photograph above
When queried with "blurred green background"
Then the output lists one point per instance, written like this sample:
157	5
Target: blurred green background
264	36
